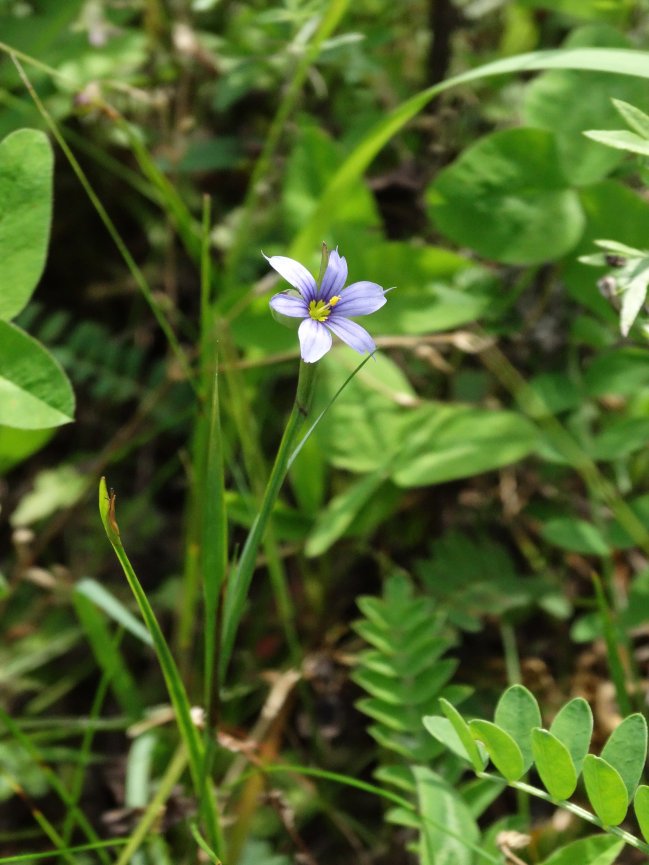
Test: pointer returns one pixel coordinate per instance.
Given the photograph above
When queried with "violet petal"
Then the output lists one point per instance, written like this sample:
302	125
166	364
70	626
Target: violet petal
334	277
294	273
289	304
315	340
360	298
353	334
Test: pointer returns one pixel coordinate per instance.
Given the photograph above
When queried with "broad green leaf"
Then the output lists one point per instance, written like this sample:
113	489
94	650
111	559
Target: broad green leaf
618	61
641	808
626	750
606	790
441	808
464	733
34	391
501	747
620	371
18	444
620	139
26	162
333	521
506	197
554	764
636	119
518	713
575	535
573	726
555	101
448	442
594	850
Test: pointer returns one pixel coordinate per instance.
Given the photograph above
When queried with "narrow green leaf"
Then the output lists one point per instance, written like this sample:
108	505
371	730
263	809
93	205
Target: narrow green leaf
554	764
606	790
102	598
449	832
173	680
108	656
518	713
626	750
26	162
464	734
636	119
34	390
641	808
334	520
573	726
501	747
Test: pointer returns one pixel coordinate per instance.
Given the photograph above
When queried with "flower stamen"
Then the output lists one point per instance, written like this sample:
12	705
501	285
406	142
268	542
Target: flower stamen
319	310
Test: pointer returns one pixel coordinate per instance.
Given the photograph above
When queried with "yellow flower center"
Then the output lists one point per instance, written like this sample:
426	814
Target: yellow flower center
320	310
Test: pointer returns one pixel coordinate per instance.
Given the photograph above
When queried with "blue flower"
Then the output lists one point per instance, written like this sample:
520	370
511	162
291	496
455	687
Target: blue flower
325	309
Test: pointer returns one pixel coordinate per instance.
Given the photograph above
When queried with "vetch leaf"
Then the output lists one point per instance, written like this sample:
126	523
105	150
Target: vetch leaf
554	764
442	730
464	733
35	392
501	747
641	808
626	750
518	713
606	790
573	726
26	162
506	197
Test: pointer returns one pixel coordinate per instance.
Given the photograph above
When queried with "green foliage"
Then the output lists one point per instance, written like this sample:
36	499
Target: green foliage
507	198
36	393
560	755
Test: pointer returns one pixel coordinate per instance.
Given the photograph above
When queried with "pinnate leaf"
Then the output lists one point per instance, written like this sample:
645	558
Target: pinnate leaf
518	713
626	750
573	726
501	747
554	764
641	808
606	790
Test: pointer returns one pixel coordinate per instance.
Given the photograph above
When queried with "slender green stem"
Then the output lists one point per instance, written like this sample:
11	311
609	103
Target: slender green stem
239	585
116	237
582	813
175	685
169	780
612	638
55	783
